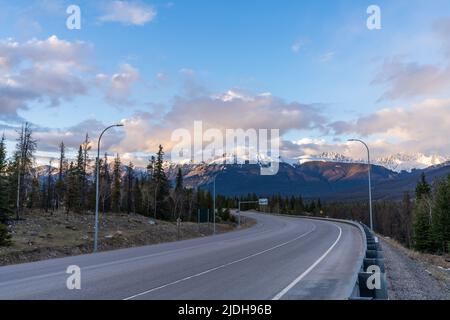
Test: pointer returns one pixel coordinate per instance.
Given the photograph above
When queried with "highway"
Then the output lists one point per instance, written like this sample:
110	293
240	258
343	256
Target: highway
278	258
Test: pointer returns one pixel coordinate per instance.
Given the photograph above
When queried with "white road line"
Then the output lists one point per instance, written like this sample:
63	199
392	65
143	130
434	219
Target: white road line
304	274
222	266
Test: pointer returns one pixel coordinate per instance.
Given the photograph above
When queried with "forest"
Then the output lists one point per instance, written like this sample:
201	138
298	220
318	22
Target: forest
420	221
69	186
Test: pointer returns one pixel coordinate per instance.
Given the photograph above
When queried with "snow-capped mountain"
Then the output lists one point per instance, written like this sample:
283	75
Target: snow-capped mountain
397	162
407	162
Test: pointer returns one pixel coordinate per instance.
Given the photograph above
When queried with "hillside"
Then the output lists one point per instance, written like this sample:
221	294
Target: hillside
327	180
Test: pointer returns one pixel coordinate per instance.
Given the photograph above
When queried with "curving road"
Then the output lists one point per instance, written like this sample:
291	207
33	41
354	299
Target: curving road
278	258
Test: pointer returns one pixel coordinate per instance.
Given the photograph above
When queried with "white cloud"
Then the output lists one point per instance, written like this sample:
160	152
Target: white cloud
118	86
129	13
411	79
423	127
296	46
327	57
221	111
46	71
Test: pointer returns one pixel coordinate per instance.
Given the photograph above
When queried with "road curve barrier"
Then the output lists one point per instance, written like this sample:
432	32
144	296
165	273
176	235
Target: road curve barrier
371	283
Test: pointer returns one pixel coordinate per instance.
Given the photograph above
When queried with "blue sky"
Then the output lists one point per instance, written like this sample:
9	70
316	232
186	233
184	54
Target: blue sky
314	53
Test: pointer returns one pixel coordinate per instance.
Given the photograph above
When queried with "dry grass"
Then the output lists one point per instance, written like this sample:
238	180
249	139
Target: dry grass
43	236
437	266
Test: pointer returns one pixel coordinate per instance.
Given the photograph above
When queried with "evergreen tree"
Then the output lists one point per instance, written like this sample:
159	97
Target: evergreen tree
406	220
129	178
34	201
72	194
423	189
116	193
441	216
5	236
179	181
79	177
178	194
423	237
3	178
22	166
85	148
137	196
62	169
105	184
423	240
162	186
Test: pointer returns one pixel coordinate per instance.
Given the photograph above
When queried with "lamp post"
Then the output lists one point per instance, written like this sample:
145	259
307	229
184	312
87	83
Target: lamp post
97	185
370	182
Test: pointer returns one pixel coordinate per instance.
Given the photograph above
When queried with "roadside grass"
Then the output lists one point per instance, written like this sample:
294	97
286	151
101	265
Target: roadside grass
41	236
437	266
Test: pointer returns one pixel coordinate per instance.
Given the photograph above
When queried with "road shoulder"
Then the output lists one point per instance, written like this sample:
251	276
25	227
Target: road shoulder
413	279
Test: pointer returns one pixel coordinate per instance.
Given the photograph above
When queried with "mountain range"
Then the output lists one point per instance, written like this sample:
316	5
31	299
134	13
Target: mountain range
317	179
332	177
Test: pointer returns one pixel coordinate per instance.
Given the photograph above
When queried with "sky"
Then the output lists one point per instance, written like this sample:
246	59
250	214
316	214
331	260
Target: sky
311	69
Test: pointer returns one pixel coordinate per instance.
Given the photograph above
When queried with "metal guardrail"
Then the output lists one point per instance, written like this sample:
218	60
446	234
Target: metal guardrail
371	283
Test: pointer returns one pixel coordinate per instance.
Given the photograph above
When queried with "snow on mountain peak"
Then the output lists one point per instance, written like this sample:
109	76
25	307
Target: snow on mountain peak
396	162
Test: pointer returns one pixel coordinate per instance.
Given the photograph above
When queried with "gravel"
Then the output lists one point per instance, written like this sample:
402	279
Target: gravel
409	279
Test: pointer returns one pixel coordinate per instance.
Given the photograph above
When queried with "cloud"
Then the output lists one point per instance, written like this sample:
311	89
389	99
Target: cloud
48	139
118	86
129	13
296	46
229	110
423	127
442	29
44	71
327	57
405	79
411	79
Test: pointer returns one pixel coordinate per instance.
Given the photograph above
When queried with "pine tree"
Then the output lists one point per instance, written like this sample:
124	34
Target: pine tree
179	181
105	184
423	240
72	194
129	178
63	166
22	166
423	237
162	186
178	194
441	216
85	148
3	179
137	196
423	189
406	219
5	236
79	180
34	200
116	188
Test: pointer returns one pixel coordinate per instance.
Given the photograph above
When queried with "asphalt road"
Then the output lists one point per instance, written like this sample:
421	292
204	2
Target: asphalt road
278	258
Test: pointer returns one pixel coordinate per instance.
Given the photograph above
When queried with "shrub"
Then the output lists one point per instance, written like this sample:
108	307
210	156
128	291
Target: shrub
5	236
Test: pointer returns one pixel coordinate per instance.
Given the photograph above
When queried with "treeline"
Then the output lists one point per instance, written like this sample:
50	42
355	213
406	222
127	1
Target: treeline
69	186
422	223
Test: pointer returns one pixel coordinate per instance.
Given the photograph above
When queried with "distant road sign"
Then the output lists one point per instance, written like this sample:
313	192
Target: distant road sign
263	202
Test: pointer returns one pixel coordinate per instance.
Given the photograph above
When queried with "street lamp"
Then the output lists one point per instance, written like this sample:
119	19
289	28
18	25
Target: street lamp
370	183
97	195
